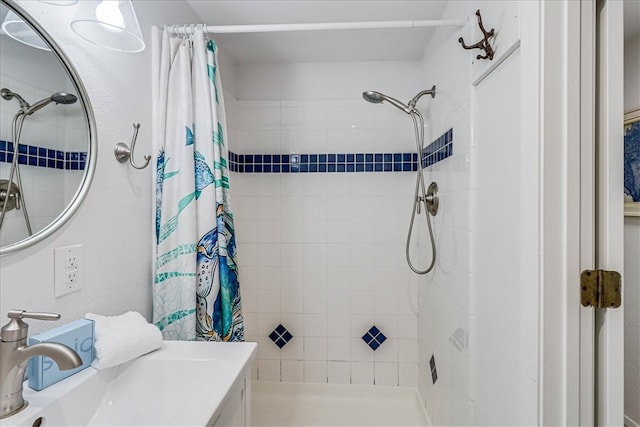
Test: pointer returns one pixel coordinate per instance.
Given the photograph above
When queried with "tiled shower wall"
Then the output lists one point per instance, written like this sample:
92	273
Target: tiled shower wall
322	254
47	189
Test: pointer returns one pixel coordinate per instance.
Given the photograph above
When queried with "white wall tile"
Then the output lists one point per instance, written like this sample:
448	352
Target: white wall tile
291	301
362	373
315	325
360	351
292	371
315	348
315	371
386	374
268	370
338	325
408	374
339	372
315	302
339	349
294	350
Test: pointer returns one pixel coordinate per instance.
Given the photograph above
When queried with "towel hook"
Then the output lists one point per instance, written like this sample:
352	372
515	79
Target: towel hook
124	153
482	44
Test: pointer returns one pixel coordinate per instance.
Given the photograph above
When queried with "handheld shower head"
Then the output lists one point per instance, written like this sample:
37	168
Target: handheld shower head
58	98
377	98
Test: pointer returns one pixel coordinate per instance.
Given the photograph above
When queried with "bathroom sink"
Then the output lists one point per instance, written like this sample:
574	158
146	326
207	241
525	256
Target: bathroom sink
181	384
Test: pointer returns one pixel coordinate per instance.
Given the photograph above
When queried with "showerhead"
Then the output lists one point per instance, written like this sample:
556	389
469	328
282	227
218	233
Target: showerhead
64	98
58	98
377	98
415	99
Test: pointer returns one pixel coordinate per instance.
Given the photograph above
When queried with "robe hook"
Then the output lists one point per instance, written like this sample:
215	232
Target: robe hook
124	153
482	44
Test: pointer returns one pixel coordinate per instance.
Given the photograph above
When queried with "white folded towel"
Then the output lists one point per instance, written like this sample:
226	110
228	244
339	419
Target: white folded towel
122	338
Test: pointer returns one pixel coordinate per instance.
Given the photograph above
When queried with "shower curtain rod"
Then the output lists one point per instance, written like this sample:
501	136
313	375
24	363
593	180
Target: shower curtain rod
273	28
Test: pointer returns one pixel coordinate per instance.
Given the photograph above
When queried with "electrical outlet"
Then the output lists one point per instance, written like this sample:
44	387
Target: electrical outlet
67	264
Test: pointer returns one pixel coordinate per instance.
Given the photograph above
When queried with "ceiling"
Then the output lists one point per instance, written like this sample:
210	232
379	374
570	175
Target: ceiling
320	46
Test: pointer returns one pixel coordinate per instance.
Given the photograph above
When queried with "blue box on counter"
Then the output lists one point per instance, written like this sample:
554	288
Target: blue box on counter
77	335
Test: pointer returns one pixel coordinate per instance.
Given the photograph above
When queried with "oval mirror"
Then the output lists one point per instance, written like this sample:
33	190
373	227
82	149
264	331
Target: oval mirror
47	133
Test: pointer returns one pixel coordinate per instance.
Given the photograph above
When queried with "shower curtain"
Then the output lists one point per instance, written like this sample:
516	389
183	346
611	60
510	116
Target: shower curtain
195	290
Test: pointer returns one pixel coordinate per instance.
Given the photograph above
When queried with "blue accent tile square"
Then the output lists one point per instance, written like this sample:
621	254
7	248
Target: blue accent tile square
285	158
434	376
313	167
359	167
275	168
51	163
241	169
378	157
322	167
285	168
304	158
294	168
388	157
59	164
368	157
397	167
42	162
22	149
82	165
3	145
248	168
257	158
248	158
33	161
341	158
350	158
51	154
341	168
359	158
388	167
59	155
368	167
350	167
266	158
74	166
378	167
42	152
331	168
33	150
257	168
322	158
266	168
275	158
374	338
22	159
280	336
397	157
406	167
10	146
432	362
75	156
313	158
304	167
3	157
331	158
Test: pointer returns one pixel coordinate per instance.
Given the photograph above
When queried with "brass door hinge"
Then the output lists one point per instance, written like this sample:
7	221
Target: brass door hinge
601	288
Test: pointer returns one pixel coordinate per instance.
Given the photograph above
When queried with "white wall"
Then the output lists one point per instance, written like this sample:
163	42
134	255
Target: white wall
632	253
114	222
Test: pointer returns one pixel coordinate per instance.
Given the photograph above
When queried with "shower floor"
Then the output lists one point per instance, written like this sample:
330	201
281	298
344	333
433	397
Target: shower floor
295	404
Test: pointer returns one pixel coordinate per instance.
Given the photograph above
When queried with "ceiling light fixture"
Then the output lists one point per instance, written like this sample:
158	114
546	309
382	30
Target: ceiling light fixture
109	23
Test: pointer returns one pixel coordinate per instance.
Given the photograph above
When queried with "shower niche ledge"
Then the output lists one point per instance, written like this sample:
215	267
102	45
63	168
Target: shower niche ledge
183	383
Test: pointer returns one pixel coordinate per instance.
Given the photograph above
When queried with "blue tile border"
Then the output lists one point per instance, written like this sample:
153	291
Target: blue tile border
435	152
32	155
438	150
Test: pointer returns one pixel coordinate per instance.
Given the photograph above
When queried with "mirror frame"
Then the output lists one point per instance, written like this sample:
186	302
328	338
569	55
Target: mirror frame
92	151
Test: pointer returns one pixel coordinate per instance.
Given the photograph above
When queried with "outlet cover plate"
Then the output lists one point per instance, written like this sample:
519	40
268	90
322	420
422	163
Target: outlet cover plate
67	269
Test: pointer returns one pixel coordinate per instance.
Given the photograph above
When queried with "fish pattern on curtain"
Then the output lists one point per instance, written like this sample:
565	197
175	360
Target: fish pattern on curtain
196	289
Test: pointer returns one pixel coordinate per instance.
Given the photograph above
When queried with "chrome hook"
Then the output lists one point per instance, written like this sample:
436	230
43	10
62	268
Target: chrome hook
124	153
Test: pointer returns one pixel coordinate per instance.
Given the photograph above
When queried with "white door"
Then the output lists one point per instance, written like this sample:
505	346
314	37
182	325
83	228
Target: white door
609	207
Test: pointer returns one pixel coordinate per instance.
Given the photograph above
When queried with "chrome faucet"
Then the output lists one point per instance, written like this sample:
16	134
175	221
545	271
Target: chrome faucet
15	355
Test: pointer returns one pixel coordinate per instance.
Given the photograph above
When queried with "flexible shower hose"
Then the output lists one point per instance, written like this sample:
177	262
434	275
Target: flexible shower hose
420	195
